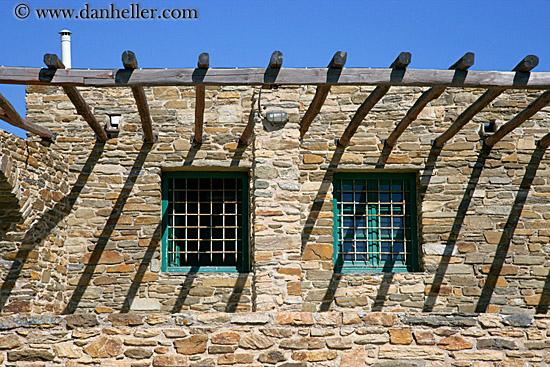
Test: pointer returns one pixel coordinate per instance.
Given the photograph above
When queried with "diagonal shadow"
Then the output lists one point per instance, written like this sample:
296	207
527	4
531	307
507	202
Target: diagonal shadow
328	298
238	155
320	197
142	269
49	220
318	202
107	231
236	293
382	294
185	288
544	302
191	154
425	179
455	230
508	232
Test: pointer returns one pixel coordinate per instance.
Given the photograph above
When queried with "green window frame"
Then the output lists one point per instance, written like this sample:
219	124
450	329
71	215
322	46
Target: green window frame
375	222
205	221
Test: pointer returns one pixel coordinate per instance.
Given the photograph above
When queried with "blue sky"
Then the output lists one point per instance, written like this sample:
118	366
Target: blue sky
245	33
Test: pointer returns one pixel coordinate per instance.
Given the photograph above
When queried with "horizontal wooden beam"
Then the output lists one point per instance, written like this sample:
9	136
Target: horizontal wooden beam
82	108
433	93
285	76
12	117
338	61
129	60
520	118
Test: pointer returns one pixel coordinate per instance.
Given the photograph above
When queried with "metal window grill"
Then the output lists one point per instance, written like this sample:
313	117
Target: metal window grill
204	221
374	221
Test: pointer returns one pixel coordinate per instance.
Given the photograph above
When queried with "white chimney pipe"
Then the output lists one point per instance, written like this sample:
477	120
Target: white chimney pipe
66	47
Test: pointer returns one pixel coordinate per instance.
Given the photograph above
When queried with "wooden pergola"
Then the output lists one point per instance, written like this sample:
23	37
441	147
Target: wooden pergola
458	75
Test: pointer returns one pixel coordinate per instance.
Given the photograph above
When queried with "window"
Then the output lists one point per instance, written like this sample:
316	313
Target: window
375	222
205	221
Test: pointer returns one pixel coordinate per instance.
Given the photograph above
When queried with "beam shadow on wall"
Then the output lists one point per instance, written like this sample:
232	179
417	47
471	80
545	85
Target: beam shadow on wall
142	269
48	221
185	288
508	232
388	275
446	256
107	231
236	293
320	198
316	207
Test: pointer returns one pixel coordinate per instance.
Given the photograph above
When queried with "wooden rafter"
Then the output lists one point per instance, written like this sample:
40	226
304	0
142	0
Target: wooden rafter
399	64
276	60
525	65
247	133
520	118
12	117
285	76
433	93
129	61
203	64
54	63
338	61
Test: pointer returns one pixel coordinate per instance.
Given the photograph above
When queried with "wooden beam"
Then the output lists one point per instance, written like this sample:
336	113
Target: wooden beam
401	62
276	60
285	76
520	118
467	115
12	117
433	93
528	63
338	61
82	108
199	113
203	63
129	60
247	133
464	62
314	108
545	141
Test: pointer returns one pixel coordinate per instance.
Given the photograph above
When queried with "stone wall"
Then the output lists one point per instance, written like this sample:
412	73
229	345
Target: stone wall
33	193
91	245
482	215
284	339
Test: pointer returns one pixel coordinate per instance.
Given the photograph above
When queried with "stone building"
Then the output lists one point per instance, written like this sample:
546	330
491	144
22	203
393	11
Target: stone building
255	239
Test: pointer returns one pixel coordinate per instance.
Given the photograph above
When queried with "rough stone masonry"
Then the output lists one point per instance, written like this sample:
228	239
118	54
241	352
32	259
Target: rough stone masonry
82	283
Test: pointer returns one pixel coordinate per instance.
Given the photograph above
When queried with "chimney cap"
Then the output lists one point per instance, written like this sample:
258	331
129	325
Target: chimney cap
65	31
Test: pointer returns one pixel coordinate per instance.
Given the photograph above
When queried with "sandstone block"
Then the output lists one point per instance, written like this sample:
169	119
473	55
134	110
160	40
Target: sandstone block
104	347
401	336
194	344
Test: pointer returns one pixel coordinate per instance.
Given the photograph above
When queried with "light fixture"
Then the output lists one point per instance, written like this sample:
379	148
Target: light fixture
277	117
114	123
